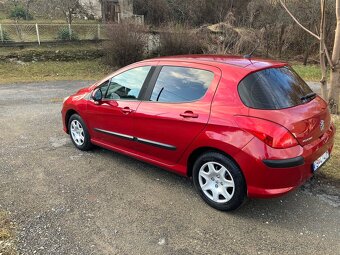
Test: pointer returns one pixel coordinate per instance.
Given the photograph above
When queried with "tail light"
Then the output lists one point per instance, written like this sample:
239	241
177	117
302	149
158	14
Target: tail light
270	133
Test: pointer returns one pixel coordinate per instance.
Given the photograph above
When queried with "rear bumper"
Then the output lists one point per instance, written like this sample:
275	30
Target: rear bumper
273	172
283	163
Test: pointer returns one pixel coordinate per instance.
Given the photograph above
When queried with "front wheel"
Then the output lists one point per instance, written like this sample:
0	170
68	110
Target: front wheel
79	133
219	181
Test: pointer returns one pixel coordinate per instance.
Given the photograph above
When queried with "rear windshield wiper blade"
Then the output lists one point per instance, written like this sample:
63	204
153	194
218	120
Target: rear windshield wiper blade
308	96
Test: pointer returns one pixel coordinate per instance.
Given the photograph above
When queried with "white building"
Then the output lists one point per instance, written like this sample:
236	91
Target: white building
109	10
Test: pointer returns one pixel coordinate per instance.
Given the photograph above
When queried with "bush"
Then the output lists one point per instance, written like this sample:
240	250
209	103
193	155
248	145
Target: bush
179	40
5	37
64	35
19	12
126	45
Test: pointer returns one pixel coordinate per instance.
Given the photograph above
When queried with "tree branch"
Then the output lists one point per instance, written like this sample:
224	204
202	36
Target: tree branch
330	62
297	22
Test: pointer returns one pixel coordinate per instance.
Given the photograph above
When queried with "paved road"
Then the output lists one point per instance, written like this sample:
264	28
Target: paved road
64	201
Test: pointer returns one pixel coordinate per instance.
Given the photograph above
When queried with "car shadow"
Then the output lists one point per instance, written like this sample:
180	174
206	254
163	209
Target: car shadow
295	206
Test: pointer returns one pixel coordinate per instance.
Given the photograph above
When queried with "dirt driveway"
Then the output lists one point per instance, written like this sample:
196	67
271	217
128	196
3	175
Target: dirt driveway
64	201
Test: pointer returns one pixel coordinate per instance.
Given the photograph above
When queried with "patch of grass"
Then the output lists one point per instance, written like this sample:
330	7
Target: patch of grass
42	48
309	72
14	72
331	170
5	20
7	243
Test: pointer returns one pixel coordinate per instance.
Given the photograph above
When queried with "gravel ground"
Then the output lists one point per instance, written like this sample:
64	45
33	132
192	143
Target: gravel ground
64	201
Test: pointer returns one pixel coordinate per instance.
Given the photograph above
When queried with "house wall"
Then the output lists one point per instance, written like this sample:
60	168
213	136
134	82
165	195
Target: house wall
93	7
126	7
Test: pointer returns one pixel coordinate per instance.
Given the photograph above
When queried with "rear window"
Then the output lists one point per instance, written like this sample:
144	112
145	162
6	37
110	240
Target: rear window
273	88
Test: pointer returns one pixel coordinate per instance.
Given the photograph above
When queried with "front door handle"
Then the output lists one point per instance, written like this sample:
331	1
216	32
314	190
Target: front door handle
127	110
189	114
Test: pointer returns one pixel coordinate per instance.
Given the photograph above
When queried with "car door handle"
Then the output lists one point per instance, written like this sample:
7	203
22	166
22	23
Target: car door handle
189	114
127	110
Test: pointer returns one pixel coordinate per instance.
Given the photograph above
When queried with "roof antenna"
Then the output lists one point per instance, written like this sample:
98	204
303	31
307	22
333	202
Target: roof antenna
248	56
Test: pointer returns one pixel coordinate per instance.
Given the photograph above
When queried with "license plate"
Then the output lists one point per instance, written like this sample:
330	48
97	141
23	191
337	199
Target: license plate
319	162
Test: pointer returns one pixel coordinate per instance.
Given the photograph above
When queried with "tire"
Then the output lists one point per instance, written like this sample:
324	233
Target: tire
79	133
219	181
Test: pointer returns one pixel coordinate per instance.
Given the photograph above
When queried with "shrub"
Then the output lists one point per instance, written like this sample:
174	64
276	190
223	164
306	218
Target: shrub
5	37
19	12
126	45
64	35
179	40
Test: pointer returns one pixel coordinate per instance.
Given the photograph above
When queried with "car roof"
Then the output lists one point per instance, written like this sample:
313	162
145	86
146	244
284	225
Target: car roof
251	64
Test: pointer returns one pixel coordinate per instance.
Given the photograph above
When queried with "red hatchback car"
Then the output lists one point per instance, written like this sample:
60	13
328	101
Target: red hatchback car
239	127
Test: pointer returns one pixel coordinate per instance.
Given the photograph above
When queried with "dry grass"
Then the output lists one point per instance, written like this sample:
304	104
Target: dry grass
331	170
14	72
7	239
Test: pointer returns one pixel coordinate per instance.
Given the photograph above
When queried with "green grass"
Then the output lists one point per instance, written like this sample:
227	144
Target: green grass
7	243
13	72
309	72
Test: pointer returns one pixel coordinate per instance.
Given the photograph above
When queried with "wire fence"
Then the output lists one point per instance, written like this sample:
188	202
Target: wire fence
39	33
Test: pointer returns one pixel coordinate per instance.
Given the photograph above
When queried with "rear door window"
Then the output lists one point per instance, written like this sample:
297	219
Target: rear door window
273	88
181	84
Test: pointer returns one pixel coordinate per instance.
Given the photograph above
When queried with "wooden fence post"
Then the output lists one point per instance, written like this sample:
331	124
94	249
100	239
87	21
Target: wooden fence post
98	32
1	34
37	29
70	31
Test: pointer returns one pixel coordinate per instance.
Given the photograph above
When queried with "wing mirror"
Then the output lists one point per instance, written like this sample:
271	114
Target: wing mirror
97	95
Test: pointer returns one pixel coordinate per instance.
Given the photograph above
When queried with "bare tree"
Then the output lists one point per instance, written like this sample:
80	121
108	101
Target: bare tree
334	63
69	8
334	90
27	8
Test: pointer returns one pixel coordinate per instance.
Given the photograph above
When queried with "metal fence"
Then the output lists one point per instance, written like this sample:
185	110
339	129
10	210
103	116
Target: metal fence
39	33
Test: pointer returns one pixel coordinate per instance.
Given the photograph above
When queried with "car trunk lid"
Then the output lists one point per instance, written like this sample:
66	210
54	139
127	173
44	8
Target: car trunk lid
307	122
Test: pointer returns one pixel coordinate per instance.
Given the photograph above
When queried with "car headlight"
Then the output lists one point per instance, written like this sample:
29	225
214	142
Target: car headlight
66	99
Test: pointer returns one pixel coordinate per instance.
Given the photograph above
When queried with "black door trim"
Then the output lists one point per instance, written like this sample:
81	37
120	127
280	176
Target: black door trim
136	139
128	137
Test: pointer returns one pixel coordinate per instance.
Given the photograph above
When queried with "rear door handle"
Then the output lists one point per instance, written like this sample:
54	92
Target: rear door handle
127	110
189	114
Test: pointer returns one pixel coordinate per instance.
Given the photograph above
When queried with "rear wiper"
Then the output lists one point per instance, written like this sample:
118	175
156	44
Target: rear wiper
308	96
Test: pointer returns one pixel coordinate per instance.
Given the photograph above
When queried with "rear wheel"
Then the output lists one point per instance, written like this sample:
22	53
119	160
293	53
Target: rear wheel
219	181
79	133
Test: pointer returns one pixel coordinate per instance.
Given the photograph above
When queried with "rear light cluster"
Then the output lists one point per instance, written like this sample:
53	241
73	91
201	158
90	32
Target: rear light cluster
270	133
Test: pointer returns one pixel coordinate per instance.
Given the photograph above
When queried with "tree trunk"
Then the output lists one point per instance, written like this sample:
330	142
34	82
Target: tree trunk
27	9
69	16
323	66
280	40
333	96
306	56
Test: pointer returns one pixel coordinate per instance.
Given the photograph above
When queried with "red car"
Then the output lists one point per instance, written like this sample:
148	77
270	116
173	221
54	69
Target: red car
239	127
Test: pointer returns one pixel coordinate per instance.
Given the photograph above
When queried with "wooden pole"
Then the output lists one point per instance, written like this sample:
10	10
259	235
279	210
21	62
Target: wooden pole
37	29
1	34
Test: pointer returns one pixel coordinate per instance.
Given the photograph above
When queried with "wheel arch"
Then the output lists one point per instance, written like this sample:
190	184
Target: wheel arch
201	150
68	115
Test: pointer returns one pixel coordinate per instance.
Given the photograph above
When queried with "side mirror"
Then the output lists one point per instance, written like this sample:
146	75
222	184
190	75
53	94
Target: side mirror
97	95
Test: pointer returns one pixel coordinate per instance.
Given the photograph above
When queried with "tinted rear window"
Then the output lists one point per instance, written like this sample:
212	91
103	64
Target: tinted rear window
274	88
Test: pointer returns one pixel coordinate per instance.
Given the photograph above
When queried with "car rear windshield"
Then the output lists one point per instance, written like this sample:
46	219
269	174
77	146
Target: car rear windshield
274	88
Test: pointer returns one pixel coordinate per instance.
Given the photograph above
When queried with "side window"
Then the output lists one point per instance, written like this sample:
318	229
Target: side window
128	85
104	86
181	84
